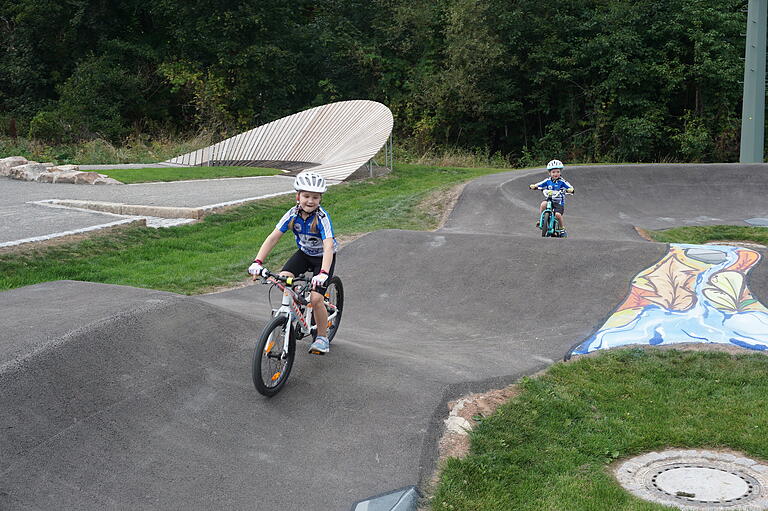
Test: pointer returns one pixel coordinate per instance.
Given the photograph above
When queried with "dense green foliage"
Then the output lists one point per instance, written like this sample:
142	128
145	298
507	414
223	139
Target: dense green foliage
587	80
551	447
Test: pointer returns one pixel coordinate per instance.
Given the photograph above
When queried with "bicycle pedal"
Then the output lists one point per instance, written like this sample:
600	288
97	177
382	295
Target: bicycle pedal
316	352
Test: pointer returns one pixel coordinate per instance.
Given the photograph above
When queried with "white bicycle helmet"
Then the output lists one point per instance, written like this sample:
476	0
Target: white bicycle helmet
310	182
555	164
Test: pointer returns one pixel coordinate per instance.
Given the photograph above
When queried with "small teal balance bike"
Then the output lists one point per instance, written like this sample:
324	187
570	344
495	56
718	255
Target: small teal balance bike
548	222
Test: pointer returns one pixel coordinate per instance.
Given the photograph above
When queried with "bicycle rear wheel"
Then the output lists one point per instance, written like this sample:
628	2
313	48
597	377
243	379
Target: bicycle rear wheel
545	221
334	295
270	365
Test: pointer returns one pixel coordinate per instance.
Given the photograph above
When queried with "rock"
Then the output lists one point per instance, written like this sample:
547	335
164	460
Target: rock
46	177
106	180
27	172
86	178
65	177
6	164
17	167
64	168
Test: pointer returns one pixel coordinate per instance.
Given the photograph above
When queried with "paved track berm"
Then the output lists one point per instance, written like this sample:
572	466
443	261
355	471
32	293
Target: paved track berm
143	400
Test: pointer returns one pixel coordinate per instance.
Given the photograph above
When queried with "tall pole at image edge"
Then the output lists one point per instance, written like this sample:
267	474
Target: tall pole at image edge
753	106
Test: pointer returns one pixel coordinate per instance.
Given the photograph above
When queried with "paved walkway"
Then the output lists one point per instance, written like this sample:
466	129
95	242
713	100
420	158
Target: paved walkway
26	212
144	400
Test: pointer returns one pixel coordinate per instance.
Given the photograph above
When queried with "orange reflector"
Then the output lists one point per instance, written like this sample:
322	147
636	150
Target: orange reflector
276	376
270	345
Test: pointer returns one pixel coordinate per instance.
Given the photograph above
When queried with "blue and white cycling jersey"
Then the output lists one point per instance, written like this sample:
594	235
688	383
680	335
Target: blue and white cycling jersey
559	185
311	243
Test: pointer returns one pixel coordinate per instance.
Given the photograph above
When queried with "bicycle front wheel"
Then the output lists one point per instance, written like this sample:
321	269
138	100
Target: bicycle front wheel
545	221
334	295
271	364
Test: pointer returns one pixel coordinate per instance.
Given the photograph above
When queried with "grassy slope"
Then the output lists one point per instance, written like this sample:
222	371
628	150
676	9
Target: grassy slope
703	234
550	447
129	176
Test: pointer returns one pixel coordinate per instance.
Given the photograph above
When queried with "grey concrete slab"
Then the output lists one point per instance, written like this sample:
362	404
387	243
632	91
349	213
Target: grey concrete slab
21	221
149	403
22	218
175	193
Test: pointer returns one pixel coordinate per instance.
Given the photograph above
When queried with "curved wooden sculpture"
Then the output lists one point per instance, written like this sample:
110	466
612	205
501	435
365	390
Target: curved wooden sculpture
333	140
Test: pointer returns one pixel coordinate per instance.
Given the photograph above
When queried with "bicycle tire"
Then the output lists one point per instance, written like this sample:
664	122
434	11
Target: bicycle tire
545	221
335	294
270	367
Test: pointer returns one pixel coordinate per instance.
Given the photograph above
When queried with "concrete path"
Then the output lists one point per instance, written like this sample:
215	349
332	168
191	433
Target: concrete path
147	403
24	214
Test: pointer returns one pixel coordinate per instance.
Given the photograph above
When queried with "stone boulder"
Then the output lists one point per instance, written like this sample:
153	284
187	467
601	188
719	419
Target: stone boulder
67	177
6	164
93	178
28	171
46	177
17	167
64	168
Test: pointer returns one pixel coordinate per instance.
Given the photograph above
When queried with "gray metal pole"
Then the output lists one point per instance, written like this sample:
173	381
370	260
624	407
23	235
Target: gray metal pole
753	107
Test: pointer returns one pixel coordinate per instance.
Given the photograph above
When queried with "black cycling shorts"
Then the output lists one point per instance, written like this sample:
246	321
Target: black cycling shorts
557	208
301	263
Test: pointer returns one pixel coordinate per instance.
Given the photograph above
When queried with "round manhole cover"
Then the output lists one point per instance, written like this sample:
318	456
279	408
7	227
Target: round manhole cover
703	484
693	480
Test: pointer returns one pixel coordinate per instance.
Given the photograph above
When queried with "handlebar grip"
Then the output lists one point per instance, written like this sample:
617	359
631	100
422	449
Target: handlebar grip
288	280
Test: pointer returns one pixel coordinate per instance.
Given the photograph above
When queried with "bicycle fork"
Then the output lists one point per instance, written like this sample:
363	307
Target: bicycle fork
284	310
289	308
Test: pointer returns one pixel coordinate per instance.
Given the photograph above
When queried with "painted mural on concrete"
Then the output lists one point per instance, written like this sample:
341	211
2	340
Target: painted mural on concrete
696	293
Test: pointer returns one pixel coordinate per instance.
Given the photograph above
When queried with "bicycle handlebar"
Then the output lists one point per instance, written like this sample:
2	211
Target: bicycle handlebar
285	283
554	193
284	278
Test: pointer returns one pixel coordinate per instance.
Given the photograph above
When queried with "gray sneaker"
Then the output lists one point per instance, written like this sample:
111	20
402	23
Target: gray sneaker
321	346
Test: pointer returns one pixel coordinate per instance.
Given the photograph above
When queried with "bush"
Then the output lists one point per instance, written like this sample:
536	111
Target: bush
48	126
694	141
636	138
97	101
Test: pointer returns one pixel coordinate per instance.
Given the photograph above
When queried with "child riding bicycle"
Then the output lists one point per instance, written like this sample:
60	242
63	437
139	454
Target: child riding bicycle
558	185
317	247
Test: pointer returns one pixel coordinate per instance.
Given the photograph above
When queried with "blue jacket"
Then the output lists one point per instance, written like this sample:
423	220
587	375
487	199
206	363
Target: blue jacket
558	185
309	242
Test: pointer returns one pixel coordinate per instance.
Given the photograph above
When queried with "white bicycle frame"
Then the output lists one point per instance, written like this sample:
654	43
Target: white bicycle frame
291	310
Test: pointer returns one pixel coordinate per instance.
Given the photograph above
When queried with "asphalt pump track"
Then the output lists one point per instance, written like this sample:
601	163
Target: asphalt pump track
121	398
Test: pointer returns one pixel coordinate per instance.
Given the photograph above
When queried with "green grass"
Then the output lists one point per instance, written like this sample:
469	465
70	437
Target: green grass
148	175
550	447
703	234
195	258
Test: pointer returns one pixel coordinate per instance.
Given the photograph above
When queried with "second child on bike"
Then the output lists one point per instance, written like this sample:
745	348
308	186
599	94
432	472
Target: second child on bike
556	183
317	247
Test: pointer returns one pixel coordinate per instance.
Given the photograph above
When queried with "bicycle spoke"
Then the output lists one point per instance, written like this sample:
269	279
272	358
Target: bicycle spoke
271	361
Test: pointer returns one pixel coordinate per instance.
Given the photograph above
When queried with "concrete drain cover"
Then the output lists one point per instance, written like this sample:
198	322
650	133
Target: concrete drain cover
693	480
